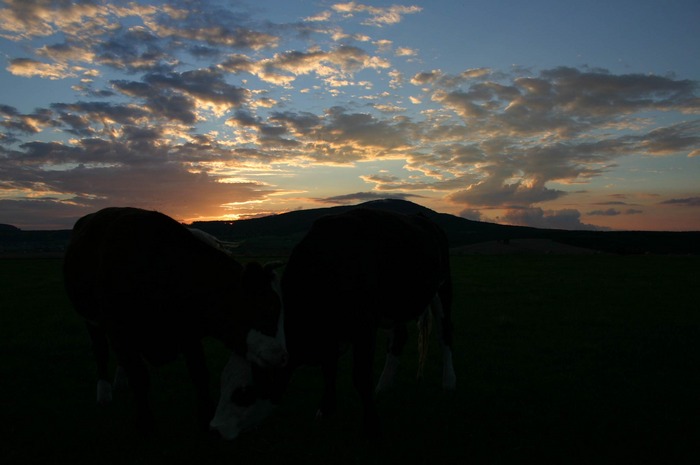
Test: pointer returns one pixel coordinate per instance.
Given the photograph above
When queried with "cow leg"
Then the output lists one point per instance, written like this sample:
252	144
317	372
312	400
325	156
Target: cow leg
140	383
100	350
444	322
398	336
329	367
363	361
199	374
121	380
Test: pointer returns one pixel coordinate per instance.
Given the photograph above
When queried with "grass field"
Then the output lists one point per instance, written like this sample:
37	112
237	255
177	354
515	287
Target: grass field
560	359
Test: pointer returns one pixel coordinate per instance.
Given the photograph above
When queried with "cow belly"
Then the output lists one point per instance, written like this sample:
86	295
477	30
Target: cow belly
158	340
160	352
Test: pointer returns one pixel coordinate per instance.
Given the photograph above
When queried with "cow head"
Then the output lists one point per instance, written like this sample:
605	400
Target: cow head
241	405
245	398
265	342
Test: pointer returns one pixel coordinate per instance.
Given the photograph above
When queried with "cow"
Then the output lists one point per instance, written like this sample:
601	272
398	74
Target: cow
351	274
151	289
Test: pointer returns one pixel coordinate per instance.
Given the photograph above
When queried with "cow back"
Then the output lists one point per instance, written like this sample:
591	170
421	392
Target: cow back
149	282
361	267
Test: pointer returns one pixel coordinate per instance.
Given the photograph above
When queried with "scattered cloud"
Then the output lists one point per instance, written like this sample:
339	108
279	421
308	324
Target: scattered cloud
405	52
687	202
615	212
471	214
377	16
549	219
27	67
357	197
322	16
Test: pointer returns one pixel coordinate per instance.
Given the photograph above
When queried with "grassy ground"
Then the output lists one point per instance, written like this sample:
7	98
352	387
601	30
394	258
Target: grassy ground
560	359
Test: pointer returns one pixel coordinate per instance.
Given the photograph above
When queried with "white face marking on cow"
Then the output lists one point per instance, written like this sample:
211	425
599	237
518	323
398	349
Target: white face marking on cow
230	418
277	288
265	350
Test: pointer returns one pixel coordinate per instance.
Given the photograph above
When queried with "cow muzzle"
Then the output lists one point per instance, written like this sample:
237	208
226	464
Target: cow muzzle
266	351
241	407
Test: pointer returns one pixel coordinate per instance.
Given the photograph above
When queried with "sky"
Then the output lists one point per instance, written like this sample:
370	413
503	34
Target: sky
556	114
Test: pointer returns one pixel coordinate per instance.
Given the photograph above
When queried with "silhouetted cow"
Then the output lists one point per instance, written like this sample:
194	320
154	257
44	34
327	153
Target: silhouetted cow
353	273
151	289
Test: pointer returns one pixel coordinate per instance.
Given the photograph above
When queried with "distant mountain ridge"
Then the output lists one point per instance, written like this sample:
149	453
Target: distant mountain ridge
276	235
279	233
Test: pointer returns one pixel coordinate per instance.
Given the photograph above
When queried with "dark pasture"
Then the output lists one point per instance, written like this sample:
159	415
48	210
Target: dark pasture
560	359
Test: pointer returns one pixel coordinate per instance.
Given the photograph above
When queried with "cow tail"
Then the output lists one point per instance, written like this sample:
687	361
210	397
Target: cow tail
425	324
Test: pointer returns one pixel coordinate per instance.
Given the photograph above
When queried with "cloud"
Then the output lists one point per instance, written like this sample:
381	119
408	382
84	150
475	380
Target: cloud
569	219
45	213
28	18
212	24
495	191
565	100
79	117
681	137
15	122
145	182
66	52
613	211
537	130
26	67
329	65
207	87
335	137
349	199
471	214
377	16
405	52
686	202
322	16
388	108
134	50
362	130
446	82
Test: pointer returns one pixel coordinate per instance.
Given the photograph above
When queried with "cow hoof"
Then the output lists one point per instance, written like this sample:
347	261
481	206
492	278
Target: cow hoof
449	381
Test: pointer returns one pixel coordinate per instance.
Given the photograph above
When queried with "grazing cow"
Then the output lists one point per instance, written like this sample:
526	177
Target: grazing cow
352	274
151	289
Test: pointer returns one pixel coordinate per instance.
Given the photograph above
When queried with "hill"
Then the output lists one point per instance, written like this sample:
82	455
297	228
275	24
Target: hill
276	235
15	242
